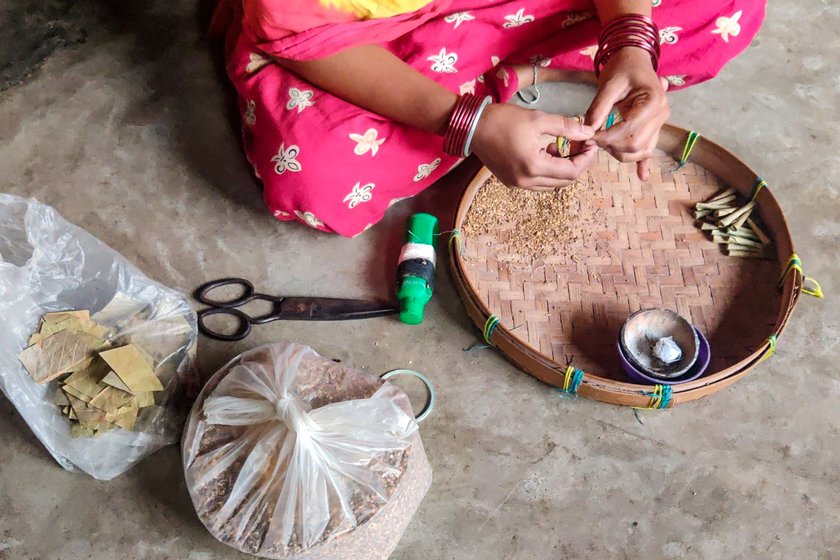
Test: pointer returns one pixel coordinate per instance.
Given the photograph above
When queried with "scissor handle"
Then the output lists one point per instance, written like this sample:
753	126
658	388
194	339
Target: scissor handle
201	293
243	327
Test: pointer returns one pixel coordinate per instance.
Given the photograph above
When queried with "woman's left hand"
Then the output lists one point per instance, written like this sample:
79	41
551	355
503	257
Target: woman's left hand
629	82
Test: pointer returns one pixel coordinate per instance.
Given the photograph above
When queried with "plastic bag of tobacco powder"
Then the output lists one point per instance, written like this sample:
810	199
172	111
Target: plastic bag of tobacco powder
290	455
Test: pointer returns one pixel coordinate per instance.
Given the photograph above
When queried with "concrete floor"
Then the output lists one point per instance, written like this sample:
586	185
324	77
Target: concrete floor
124	130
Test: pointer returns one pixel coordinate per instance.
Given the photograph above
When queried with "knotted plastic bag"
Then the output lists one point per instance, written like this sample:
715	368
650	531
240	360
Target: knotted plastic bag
290	455
48	264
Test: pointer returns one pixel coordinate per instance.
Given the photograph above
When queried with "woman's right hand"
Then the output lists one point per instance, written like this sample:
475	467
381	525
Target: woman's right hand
510	141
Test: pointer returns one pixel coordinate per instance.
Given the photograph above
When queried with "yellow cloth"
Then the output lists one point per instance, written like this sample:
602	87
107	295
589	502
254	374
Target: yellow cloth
373	9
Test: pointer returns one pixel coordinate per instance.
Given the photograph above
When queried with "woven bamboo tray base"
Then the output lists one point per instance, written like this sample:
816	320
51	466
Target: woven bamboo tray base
645	250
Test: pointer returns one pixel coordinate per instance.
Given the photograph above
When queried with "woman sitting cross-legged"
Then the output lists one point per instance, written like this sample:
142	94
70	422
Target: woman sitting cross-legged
351	105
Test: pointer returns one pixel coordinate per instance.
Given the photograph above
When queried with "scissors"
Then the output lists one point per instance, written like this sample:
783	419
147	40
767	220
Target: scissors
282	308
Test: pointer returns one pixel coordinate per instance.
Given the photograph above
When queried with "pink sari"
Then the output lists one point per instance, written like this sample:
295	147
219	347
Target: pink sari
338	167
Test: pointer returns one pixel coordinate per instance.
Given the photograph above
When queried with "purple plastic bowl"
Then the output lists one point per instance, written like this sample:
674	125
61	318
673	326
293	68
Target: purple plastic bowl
704	355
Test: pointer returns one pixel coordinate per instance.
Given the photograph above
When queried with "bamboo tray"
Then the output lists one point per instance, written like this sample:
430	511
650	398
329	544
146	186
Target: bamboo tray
559	317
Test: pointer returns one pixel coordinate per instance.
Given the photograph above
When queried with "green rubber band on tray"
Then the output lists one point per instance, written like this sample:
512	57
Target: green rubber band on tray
794	263
771	350
660	398
687	149
490	327
610	121
759	184
455	237
572	381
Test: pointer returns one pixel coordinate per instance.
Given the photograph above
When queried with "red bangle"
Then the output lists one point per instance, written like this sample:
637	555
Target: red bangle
463	120
631	30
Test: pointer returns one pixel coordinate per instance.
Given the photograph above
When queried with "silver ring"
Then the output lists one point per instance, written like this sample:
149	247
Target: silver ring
430	389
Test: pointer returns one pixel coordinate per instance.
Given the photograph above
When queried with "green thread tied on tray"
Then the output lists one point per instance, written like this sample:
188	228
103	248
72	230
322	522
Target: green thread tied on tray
759	184
572	380
771	349
690	142
489	328
660	397
454	238
795	263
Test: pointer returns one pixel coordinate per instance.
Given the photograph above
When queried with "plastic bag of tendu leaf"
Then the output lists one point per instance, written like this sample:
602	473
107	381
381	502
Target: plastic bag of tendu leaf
290	455
96	357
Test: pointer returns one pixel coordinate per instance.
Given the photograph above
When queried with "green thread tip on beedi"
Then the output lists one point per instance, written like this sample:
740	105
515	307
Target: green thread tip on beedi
688	148
489	328
759	184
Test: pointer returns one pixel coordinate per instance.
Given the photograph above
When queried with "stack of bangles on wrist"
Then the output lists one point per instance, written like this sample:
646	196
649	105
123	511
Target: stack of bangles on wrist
462	124
633	30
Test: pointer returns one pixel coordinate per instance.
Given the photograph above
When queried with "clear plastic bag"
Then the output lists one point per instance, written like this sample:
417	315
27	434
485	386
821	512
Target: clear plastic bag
290	455
48	264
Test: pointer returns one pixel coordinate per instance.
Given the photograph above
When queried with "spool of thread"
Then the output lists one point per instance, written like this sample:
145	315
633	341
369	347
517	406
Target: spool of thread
416	268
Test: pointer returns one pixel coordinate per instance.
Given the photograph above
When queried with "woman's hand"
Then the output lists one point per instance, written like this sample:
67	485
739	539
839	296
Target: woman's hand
629	82
511	142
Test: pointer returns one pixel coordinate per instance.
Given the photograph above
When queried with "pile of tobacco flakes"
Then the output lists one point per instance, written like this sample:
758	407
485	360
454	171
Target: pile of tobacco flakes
100	387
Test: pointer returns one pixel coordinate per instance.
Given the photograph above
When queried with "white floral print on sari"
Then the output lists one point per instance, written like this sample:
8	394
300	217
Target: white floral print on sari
286	159
280	214
517	19
424	170
310	219
540	60
300	99
574	18
359	194
444	62
459	18
250	118
728	26
255	62
590	51
668	35
676	80
367	142
467	87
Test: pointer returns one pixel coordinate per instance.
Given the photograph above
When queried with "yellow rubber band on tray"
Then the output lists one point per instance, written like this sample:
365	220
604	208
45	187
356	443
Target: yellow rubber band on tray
572	380
489	327
759	184
794	263
773	340
660	398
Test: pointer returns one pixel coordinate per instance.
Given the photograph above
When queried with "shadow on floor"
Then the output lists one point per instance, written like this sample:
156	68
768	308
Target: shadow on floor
182	88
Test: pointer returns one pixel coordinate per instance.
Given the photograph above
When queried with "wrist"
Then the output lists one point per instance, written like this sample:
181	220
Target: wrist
631	31
440	123
609	10
463	124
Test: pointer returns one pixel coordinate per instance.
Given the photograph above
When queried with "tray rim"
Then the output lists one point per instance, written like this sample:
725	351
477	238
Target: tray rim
735	173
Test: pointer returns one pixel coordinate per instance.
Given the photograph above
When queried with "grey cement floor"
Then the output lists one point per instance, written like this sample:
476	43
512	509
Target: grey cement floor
127	135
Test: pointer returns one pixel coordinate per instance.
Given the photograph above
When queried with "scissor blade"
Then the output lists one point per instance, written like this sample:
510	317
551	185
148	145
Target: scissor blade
332	309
